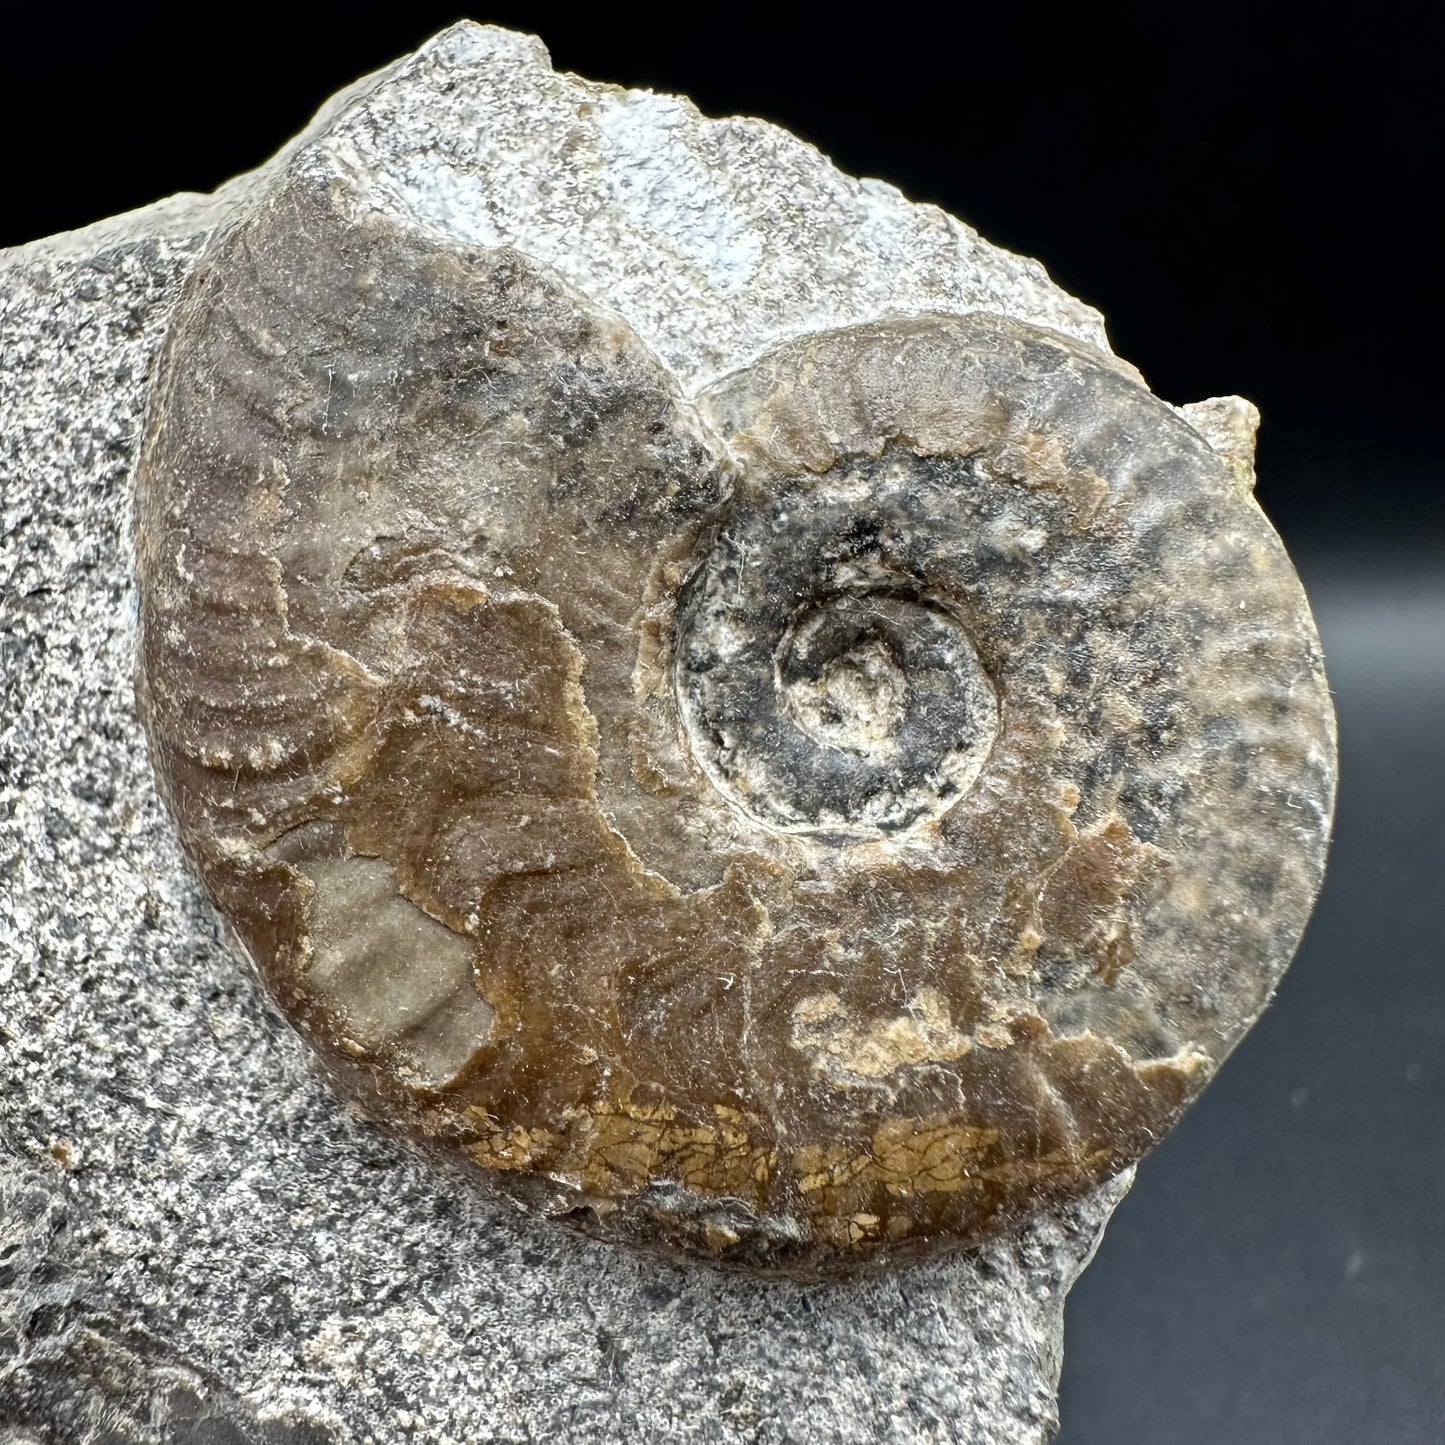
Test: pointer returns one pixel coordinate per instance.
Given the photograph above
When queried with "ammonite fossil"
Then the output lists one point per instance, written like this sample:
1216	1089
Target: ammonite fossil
804	822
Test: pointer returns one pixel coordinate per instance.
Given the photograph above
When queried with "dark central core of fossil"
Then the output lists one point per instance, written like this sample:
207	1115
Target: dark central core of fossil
895	684
844	676
821	691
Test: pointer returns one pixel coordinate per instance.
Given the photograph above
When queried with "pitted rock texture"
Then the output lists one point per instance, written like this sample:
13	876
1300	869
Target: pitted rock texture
70	1370
805	821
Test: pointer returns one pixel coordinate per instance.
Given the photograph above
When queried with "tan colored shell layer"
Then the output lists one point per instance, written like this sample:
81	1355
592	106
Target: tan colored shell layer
806	829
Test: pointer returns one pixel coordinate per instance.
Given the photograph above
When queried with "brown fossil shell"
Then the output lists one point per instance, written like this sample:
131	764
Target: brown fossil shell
806	828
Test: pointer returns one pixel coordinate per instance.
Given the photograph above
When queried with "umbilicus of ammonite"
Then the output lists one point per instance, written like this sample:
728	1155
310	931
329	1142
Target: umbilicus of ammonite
806	826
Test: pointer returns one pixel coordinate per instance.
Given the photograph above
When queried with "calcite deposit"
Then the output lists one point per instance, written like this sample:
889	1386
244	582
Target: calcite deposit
761	750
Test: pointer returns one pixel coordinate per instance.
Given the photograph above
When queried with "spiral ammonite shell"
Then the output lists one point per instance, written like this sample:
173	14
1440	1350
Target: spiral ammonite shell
809	825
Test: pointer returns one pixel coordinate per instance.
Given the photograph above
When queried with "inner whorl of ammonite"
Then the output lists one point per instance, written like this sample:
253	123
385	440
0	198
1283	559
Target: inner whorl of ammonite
822	688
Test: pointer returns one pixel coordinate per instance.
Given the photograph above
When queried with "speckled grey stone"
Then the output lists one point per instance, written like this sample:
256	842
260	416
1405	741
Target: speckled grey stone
197	1242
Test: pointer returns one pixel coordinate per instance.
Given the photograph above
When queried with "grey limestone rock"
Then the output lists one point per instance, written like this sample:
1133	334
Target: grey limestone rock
197	1241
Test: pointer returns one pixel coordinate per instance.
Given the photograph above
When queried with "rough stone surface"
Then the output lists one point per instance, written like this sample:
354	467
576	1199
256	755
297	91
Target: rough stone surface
196	1242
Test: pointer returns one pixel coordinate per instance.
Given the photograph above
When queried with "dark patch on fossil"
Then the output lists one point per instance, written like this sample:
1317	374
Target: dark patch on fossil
797	829
822	684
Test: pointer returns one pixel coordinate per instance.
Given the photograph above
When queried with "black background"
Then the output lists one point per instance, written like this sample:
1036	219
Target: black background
1247	193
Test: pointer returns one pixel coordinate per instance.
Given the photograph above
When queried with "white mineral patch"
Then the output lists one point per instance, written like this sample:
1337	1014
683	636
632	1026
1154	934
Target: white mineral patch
716	239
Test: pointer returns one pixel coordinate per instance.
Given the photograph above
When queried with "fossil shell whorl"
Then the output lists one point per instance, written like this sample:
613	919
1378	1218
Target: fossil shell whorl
811	825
